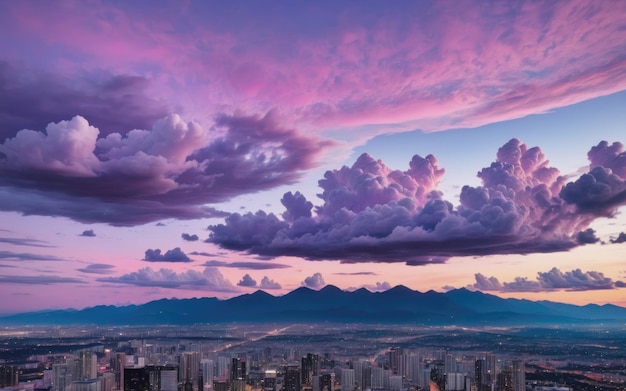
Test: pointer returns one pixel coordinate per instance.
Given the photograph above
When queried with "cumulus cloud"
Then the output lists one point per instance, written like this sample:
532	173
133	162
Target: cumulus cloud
170	171
621	238
88	233
247	281
97	268
555	279
371	213
173	255
190	238
210	279
316	281
246	265
39	280
267	283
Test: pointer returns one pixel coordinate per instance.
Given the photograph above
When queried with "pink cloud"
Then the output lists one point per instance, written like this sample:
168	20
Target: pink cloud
431	65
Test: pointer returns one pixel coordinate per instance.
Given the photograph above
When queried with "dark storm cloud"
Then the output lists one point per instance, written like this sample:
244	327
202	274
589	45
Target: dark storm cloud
621	238
575	280
170	171
113	103
371	213
173	255
587	236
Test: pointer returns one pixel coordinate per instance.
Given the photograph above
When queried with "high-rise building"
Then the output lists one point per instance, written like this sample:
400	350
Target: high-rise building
61	376
291	380
393	356
9	376
325	382
362	374
269	380
87	366
86	384
310	367
136	379
518	368
118	363
238	374
395	383
188	369
208	373
505	380
347	380
480	374
491	370
169	378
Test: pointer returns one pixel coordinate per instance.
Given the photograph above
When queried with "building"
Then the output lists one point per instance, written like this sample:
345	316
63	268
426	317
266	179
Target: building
9	376
291	381
238	374
347	380
188	369
310	367
518	368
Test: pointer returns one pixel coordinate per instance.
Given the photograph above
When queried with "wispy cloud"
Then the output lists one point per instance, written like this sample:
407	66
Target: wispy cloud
12	256
39	280
25	242
246	265
97	268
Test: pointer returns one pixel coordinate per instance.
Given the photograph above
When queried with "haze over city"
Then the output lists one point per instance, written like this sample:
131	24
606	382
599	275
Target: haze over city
205	149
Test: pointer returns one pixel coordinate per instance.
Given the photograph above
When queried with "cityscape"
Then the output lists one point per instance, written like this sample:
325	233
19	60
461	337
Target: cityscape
317	357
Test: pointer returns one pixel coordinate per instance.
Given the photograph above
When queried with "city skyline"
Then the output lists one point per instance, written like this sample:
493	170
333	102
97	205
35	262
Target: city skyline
206	150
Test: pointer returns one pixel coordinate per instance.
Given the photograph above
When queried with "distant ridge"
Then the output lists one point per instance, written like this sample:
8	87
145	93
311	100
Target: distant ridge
399	305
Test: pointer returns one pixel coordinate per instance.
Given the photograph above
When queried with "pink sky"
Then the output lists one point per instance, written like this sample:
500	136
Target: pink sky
127	125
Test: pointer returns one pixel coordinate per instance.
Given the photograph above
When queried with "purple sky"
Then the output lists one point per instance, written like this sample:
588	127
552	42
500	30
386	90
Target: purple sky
186	149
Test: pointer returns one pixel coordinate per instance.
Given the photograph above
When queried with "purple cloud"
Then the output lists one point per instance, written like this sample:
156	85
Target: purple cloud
173	255
39	280
210	279
247	281
25	242
267	283
171	171
371	213
246	265
356	274
587	236
316	281
190	238
575	280
621	238
12	256
88	233
97	268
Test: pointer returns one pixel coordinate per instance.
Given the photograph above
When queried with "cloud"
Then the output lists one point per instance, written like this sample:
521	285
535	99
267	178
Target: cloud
371	213
97	268
170	171
39	280
25	242
189	238
88	233
173	255
316	281
514	60
246	265
247	281
267	283
587	236
356	274
553	280
204	254
113	103
621	238
9	255
210	279
620	284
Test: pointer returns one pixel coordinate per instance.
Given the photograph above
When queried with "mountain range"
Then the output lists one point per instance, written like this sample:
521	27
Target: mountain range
399	305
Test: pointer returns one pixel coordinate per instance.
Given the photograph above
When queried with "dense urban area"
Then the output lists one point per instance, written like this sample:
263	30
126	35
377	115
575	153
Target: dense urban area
315	357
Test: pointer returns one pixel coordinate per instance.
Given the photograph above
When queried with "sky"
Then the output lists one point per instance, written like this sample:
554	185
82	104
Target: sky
211	149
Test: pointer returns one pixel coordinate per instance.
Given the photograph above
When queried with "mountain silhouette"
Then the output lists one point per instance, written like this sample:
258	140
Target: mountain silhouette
398	305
